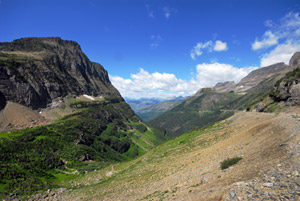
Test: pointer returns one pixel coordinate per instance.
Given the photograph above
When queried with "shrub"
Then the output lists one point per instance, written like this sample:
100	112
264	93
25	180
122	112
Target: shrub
229	162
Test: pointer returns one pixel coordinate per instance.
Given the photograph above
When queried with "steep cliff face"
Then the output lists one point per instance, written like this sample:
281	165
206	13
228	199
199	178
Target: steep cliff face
2	101
288	89
34	71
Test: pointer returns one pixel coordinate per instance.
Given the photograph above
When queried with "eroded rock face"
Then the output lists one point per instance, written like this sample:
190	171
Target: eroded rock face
34	71
2	101
288	88
295	60
225	86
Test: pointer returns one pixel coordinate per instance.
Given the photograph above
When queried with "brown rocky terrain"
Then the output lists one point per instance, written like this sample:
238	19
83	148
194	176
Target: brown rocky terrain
15	116
225	86
188	168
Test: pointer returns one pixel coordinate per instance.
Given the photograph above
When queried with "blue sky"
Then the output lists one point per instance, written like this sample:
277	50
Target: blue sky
163	48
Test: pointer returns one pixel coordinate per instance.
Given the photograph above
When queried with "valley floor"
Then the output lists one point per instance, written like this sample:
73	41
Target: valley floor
188	167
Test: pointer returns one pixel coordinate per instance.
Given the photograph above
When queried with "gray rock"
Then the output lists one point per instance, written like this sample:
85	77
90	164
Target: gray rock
35	71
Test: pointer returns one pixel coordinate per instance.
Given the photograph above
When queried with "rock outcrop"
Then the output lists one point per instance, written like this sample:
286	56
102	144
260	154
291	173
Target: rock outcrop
2	101
288	89
35	71
225	86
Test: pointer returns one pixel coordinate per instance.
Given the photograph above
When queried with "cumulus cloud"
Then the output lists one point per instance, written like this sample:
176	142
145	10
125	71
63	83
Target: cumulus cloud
165	85
220	46
282	53
284	36
209	46
269	39
210	74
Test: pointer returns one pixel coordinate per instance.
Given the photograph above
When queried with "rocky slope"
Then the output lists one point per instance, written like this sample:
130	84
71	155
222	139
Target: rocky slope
288	88
256	76
35	71
225	86
188	167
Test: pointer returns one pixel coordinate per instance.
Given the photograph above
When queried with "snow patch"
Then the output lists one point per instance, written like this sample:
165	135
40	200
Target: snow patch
89	97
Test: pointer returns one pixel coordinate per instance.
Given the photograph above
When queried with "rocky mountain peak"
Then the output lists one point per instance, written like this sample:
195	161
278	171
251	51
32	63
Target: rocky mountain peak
42	69
295	60
33	44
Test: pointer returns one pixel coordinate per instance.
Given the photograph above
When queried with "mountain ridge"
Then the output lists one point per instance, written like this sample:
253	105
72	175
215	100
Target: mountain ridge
59	67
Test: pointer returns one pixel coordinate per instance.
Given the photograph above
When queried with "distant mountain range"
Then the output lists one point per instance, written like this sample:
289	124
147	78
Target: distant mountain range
149	108
214	104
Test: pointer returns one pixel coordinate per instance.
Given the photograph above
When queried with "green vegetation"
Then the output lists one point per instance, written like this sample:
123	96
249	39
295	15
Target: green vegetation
289	77
42	157
196	112
229	162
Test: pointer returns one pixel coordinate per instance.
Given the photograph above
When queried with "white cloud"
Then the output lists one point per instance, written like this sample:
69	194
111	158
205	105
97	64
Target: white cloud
220	46
269	39
155	41
285	36
282	53
210	74
209	46
197	50
165	85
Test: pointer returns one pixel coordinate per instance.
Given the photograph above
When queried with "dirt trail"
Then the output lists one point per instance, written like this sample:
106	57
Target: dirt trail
270	169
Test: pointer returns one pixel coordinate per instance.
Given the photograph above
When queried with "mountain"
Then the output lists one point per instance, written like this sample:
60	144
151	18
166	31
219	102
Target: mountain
205	107
149	108
285	93
211	105
259	75
35	71
225	86
248	156
141	103
150	112
62	115
253	78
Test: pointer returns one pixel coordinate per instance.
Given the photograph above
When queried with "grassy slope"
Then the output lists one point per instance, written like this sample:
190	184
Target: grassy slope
196	112
42	157
190	164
